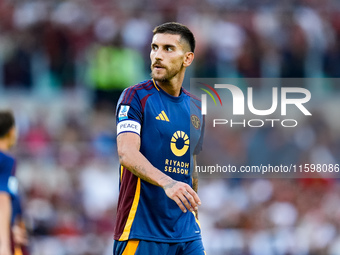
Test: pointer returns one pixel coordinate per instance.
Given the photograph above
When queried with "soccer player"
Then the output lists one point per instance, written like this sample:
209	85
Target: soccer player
9	200
159	134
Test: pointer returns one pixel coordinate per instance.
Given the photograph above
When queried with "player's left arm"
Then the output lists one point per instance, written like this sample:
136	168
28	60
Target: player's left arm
5	223
195	181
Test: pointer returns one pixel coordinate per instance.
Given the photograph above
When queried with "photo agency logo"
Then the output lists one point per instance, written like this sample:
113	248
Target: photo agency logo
282	101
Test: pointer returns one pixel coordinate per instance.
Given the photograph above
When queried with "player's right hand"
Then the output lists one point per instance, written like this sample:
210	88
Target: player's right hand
184	196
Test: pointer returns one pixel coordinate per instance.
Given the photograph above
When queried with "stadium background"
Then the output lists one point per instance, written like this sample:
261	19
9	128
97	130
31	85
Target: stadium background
63	63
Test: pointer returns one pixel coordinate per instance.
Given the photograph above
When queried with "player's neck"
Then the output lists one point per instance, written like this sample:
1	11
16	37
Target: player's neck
172	87
4	146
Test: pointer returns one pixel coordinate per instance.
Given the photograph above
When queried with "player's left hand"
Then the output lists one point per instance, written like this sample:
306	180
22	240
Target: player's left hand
19	235
184	196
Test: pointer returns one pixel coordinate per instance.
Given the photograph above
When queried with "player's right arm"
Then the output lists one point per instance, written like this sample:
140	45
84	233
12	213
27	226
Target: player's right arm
5	223
130	157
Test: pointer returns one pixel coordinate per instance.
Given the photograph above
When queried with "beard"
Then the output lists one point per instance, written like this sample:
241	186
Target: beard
169	74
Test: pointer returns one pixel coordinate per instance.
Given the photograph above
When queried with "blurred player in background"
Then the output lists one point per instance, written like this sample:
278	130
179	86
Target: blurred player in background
13	235
155	127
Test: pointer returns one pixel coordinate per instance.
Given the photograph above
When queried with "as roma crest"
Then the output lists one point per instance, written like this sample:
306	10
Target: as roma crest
195	121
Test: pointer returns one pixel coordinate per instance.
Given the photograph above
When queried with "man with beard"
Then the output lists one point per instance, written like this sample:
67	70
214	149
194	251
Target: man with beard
159	134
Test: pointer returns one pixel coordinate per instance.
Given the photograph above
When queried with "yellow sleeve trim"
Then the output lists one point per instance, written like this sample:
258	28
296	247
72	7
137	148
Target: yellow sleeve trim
132	214
121	173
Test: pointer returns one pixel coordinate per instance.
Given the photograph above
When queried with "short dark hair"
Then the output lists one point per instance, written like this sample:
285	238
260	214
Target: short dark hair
6	122
177	29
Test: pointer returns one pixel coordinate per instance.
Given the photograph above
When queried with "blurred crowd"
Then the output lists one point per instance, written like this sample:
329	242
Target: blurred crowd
104	44
63	65
281	215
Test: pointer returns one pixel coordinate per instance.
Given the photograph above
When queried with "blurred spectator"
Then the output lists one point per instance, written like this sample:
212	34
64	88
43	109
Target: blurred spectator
112	69
60	53
17	68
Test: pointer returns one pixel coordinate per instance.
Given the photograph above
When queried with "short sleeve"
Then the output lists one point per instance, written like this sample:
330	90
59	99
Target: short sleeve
129	112
6	167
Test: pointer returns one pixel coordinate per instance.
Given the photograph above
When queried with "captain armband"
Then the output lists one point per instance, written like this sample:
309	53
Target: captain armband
128	126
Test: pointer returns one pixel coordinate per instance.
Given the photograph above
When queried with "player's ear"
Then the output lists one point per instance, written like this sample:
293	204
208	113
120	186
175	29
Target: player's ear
12	136
188	58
